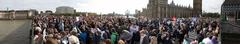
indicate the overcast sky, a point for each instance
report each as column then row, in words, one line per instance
column 99, row 6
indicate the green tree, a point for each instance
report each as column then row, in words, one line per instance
column 213, row 15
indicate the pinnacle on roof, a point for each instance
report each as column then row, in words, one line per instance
column 172, row 3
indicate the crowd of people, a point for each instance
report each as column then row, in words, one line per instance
column 120, row 30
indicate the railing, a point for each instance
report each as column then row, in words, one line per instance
column 31, row 34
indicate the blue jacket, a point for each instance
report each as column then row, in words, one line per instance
column 83, row 37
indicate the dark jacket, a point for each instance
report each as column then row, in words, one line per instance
column 167, row 41
column 146, row 40
column 136, row 36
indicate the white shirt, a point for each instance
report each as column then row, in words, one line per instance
column 133, row 28
column 207, row 41
column 73, row 39
column 94, row 30
column 44, row 35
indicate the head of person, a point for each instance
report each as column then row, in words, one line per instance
column 143, row 32
column 38, row 29
column 63, row 33
column 67, row 30
column 186, row 36
column 57, row 35
column 73, row 33
column 83, row 27
column 50, row 31
column 49, row 36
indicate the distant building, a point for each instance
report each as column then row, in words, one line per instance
column 17, row 14
column 161, row 9
column 137, row 13
column 47, row 12
column 197, row 7
column 231, row 9
column 65, row 9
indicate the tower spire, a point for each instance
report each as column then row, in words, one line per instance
column 172, row 3
column 189, row 6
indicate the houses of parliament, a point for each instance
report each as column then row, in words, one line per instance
column 161, row 9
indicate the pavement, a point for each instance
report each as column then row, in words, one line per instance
column 230, row 28
column 230, row 33
column 15, row 32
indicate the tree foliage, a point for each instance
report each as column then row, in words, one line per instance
column 66, row 14
column 213, row 15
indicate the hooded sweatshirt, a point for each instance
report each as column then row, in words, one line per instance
column 114, row 37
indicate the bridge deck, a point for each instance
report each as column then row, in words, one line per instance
column 14, row 32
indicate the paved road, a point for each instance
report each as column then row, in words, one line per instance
column 230, row 28
column 230, row 33
column 14, row 32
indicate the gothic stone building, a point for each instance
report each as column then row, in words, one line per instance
column 231, row 8
column 161, row 9
column 197, row 7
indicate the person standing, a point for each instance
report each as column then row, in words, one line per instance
column 144, row 39
column 127, row 36
column 73, row 39
column 83, row 36
column 114, row 37
column 64, row 39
